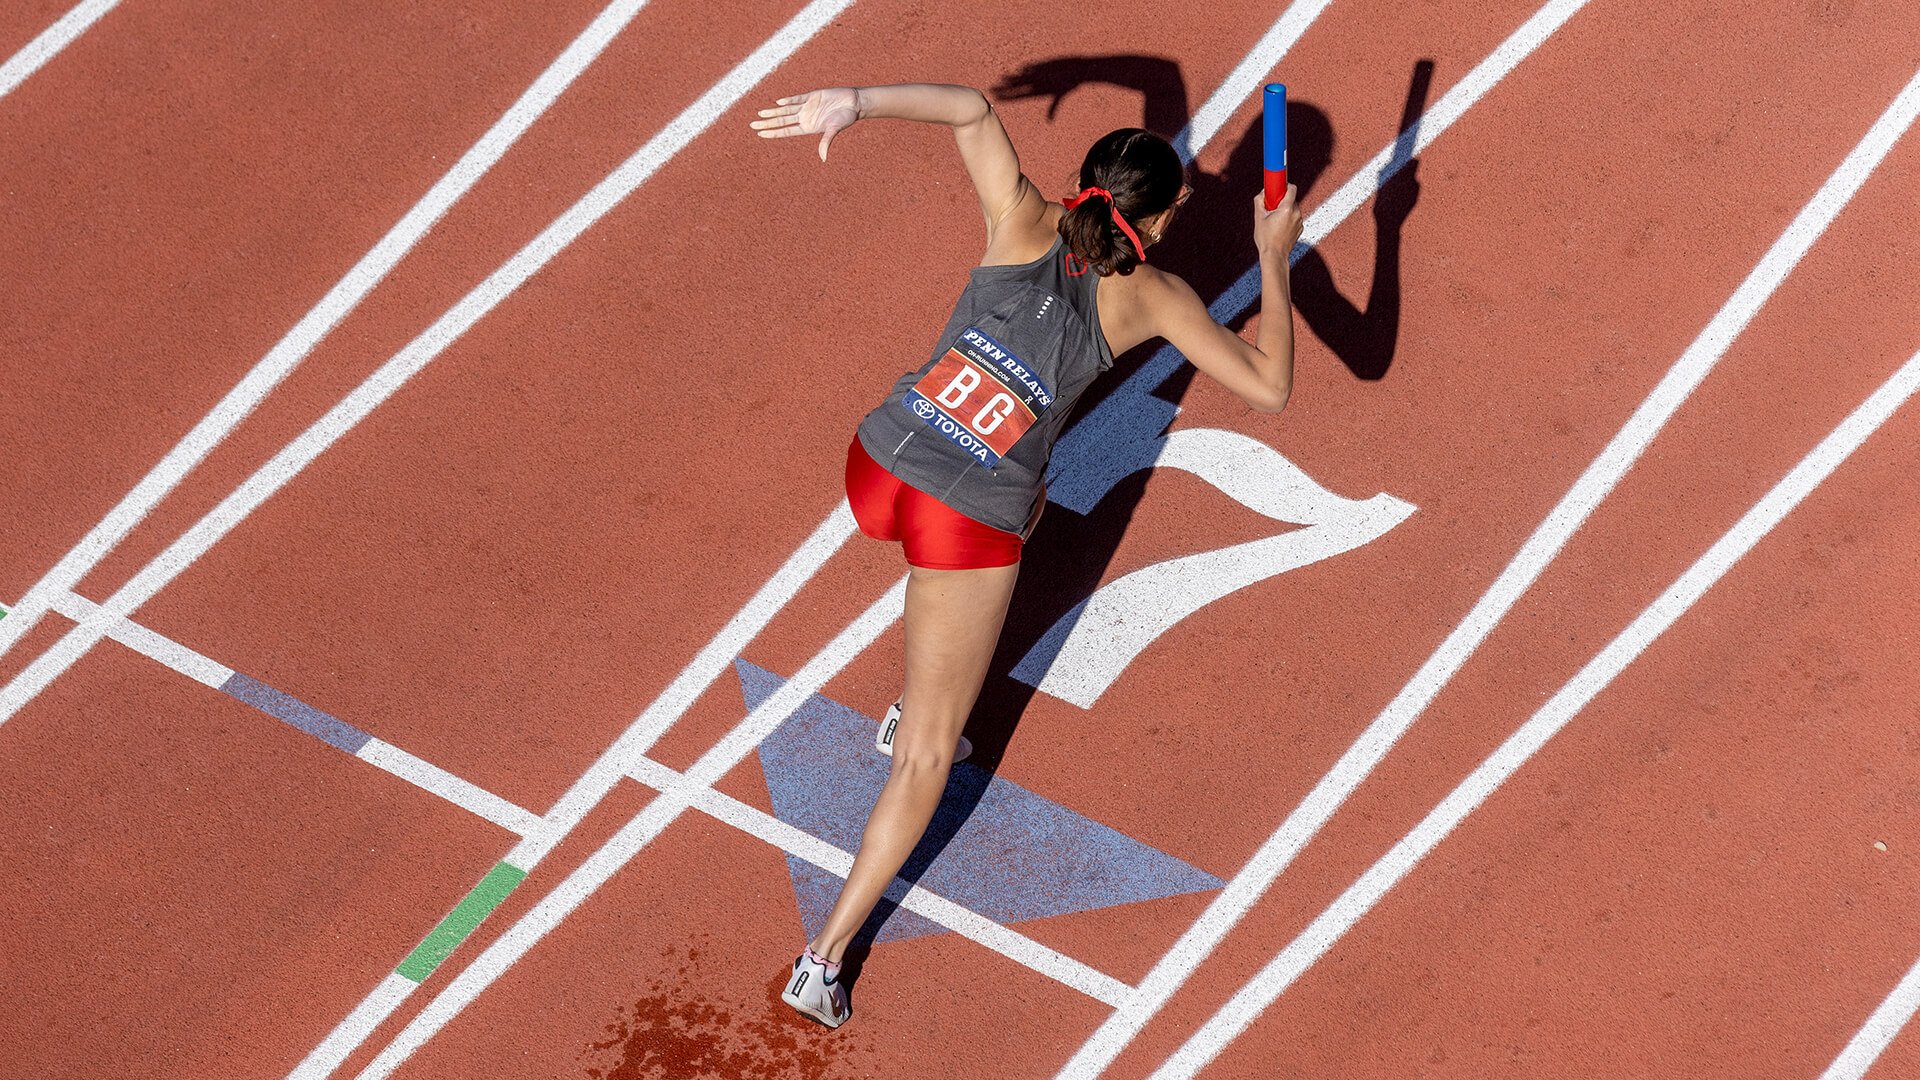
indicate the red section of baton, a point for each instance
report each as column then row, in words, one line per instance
column 935, row 535
column 1276, row 187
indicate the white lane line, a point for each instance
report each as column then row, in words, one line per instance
column 1124, row 432
column 638, row 832
column 147, row 643
column 372, row 1011
column 693, row 680
column 380, row 754
column 464, row 794
column 382, row 384
column 51, row 40
column 1087, row 476
column 605, row 772
column 1756, row 523
column 1878, row 1032
column 315, row 325
column 661, row 715
column 967, row 923
column 1247, row 76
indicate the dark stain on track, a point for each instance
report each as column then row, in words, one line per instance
column 677, row 1033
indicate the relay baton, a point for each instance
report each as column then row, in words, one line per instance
column 1275, row 140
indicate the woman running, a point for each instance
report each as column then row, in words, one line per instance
column 951, row 463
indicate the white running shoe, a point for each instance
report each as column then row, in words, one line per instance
column 883, row 738
column 813, row 994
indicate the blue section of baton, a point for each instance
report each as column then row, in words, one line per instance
column 326, row 728
column 1274, row 132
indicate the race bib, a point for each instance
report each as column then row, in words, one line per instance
column 980, row 396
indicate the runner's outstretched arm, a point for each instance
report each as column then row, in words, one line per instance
column 1261, row 373
column 985, row 149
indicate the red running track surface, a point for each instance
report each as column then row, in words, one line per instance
column 508, row 560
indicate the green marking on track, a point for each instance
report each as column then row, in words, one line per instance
column 460, row 921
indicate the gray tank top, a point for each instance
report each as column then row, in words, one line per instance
column 974, row 426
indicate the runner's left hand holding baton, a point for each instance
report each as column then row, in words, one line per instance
column 825, row 113
column 1275, row 231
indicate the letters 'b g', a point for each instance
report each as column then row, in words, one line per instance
column 957, row 390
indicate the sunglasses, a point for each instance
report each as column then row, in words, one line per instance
column 1186, row 192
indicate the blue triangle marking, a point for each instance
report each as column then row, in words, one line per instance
column 994, row 847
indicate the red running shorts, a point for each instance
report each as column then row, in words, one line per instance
column 935, row 535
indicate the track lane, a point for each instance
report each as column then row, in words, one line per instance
column 293, row 347
column 1687, row 890
column 1326, row 868
column 622, row 99
column 567, row 485
column 1820, row 345
column 192, row 880
column 185, row 201
column 1202, row 507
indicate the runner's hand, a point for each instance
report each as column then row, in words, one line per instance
column 825, row 113
column 1278, row 229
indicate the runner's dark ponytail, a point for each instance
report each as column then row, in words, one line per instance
column 1140, row 175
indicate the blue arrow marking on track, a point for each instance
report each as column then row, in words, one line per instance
column 994, row 846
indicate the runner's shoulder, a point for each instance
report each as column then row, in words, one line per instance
column 1154, row 291
column 1145, row 304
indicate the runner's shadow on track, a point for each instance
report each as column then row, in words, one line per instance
column 965, row 789
column 1210, row 244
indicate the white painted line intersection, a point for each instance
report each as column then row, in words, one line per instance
column 832, row 532
column 677, row 797
column 1014, row 946
column 383, row 383
column 1527, row 37
column 679, row 696
column 660, row 716
column 600, row 778
column 1548, row 538
column 538, row 844
column 1263, row 989
column 380, row 754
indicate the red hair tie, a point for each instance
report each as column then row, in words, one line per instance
column 1117, row 219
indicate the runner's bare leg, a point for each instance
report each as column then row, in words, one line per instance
column 953, row 622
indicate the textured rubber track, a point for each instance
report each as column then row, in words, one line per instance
column 510, row 558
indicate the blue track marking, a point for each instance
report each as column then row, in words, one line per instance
column 326, row 728
column 993, row 847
